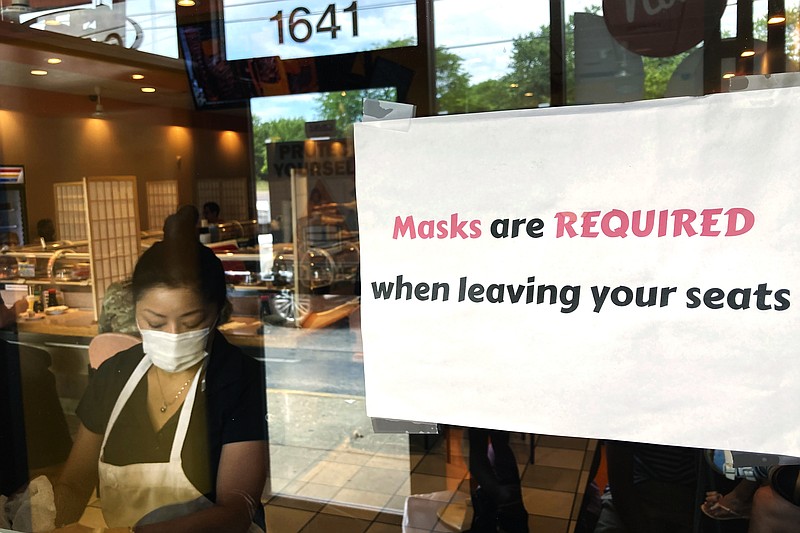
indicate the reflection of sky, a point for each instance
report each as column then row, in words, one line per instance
column 157, row 19
column 293, row 106
column 249, row 31
column 480, row 36
column 480, row 33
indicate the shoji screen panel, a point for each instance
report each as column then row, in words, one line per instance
column 114, row 239
column 71, row 224
column 231, row 194
column 162, row 201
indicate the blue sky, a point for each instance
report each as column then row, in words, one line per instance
column 480, row 35
column 478, row 31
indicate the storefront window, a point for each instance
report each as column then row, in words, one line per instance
column 487, row 60
column 145, row 25
column 303, row 147
column 246, row 110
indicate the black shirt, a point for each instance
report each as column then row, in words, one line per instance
column 232, row 408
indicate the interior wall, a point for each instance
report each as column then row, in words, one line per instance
column 56, row 139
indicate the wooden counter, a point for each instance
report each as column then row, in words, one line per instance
column 242, row 331
column 72, row 323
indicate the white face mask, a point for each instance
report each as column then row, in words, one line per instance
column 174, row 352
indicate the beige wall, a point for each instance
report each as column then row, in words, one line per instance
column 55, row 138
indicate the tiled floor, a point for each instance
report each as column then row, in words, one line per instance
column 331, row 473
column 323, row 481
column 347, row 490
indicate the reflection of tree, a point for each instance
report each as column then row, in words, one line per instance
column 657, row 73
column 452, row 82
column 282, row 129
column 792, row 35
column 345, row 107
column 526, row 83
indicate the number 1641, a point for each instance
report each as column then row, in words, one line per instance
column 301, row 29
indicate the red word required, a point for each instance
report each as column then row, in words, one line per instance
column 676, row 223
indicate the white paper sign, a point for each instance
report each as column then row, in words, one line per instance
column 628, row 271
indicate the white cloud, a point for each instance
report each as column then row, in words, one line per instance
column 276, row 107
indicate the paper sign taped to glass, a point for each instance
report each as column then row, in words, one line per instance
column 625, row 271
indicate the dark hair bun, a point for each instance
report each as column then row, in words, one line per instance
column 182, row 225
column 180, row 260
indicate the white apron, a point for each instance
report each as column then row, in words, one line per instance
column 127, row 493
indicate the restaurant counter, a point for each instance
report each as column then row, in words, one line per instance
column 242, row 331
column 80, row 325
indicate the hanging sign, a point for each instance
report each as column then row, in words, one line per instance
column 658, row 28
column 626, row 271
column 319, row 158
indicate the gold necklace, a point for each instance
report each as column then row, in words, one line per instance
column 165, row 404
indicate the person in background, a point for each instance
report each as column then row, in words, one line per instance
column 495, row 487
column 211, row 212
column 776, row 505
column 653, row 488
column 9, row 238
column 173, row 430
column 8, row 315
column 45, row 229
column 34, row 436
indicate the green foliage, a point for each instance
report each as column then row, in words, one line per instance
column 452, row 82
column 530, row 63
column 525, row 85
column 657, row 73
column 345, row 107
column 282, row 129
column 792, row 29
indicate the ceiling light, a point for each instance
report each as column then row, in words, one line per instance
column 186, row 3
column 137, row 76
column 748, row 53
column 728, row 75
column 99, row 110
column 776, row 19
column 528, row 94
column 344, row 93
column 513, row 85
column 148, row 89
column 54, row 60
column 52, row 22
column 39, row 72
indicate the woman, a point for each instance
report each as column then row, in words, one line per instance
column 174, row 429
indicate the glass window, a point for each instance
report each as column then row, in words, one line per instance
column 273, row 179
column 145, row 25
column 487, row 60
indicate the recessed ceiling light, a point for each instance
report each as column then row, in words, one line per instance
column 186, row 3
column 52, row 22
column 54, row 60
column 137, row 76
column 513, row 85
column 528, row 94
column 148, row 89
column 728, row 75
column 748, row 53
column 39, row 72
column 776, row 19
